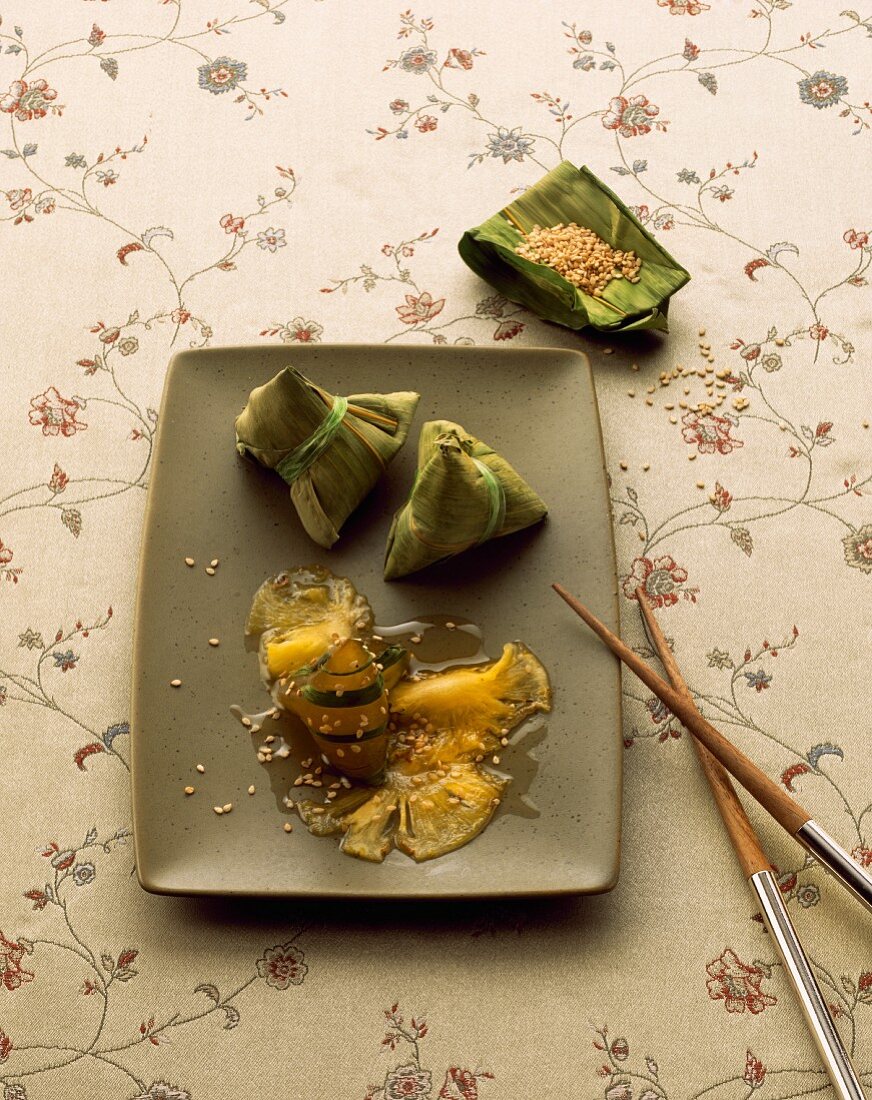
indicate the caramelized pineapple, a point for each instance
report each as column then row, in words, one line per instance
column 297, row 614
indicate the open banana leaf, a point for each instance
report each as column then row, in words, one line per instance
column 570, row 194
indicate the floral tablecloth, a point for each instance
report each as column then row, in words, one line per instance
column 184, row 173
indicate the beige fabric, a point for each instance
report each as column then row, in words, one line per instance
column 98, row 994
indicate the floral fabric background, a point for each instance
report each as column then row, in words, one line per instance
column 183, row 173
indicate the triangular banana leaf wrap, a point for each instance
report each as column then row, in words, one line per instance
column 464, row 494
column 570, row 194
column 330, row 450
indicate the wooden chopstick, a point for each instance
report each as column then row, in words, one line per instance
column 749, row 851
column 786, row 810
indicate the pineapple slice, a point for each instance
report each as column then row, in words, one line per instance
column 424, row 820
column 483, row 698
column 297, row 613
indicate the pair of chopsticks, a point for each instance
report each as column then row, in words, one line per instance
column 718, row 757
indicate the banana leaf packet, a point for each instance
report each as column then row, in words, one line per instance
column 570, row 194
column 330, row 450
column 464, row 494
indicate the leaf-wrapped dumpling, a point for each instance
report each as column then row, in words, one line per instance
column 330, row 450
column 464, row 494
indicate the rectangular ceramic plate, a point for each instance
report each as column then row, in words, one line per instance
column 538, row 408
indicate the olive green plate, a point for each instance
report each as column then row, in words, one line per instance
column 535, row 406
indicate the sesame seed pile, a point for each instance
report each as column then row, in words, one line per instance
column 580, row 256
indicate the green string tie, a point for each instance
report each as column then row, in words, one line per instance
column 295, row 464
column 496, row 500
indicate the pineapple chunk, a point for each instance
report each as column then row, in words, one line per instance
column 485, row 698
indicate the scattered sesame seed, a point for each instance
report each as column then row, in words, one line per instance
column 251, row 789
column 451, row 626
column 631, row 393
column 210, row 570
column 670, row 406
column 218, row 810
column 246, row 721
column 189, row 562
column 779, row 343
column 673, row 419
column 691, row 457
column 702, row 332
column 200, row 769
column 623, row 465
column 318, row 810
column 214, row 641
column 634, row 366
column 354, row 748
column 608, row 351
column 214, row 563
column 189, row 790
column 227, row 807
column 261, row 758
column 648, row 401
column 496, row 760
column 700, row 485
column 269, row 740
column 650, row 389
column 288, row 827
column 646, row 466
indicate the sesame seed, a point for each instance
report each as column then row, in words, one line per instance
column 634, row 366
column 623, row 465
column 865, row 424
column 673, row 419
column 214, row 641
column 631, row 393
column 261, row 759
column 189, row 790
column 218, row 810
column 269, row 740
column 650, row 389
column 496, row 760
column 246, row 721
column 648, row 401
column 318, row 810
column 608, row 351
column 779, row 343
column 214, row 563
column 670, row 406
column 251, row 789
column 354, row 748
column 189, row 562
column 288, row 827
column 692, row 457
column 175, row 683
column 646, row 466
column 200, row 769
column 227, row 807
column 210, row 570
column 449, row 626
column 702, row 332
column 700, row 485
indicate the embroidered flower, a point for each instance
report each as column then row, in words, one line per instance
column 508, row 329
column 28, row 101
column 771, row 362
column 621, row 1091
column 710, row 433
column 722, row 193
column 642, row 213
column 460, row 1084
column 419, row 310
column 66, row 660
column 630, row 117
column 683, row 7
column 398, row 106
column 408, row 1083
column 180, row 316
column 55, row 414
column 426, row 123
column 755, row 1071
column 758, row 680
column 737, row 984
column 417, row 60
column 12, row 974
column 510, row 144
column 84, row 874
column 822, row 89
column 858, row 548
column 160, row 1090
column 459, row 59
column 493, row 306
column 128, row 346
column 5, row 1046
column 107, row 177
column 808, row 895
column 863, row 856
column 299, row 331
column 46, row 205
column 231, row 224
column 109, row 335
column 282, row 966
column 657, row 709
column 854, row 239
column 19, row 197
column 818, row 332
column 664, row 222
column 6, row 554
column 4, row 695
column 271, row 239
column 660, row 578
column 221, row 75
